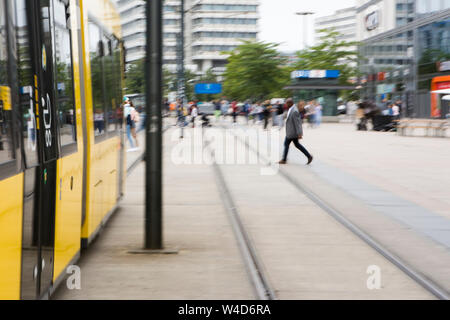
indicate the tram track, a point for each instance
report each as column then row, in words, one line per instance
column 255, row 269
column 410, row 271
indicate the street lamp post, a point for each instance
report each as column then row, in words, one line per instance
column 153, row 151
column 305, row 26
column 181, row 85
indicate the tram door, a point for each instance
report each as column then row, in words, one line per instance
column 40, row 139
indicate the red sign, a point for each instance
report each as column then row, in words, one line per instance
column 443, row 85
column 381, row 76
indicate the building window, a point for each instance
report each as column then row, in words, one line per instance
column 225, row 7
column 219, row 48
column 220, row 34
column 170, row 22
column 224, row 21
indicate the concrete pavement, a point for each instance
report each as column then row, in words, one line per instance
column 208, row 265
column 307, row 254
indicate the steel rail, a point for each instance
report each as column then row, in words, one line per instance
column 418, row 277
column 259, row 280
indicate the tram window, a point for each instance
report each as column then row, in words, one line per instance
column 96, row 53
column 118, row 80
column 6, row 146
column 64, row 74
column 29, row 133
column 109, row 83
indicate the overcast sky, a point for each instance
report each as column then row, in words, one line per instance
column 279, row 23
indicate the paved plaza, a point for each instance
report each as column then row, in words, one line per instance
column 392, row 187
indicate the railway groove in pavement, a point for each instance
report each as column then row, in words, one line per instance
column 257, row 274
column 426, row 283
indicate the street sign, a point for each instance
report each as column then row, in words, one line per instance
column 208, row 88
column 315, row 74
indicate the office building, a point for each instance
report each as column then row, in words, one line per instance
column 212, row 27
column 217, row 26
column 343, row 21
column 406, row 61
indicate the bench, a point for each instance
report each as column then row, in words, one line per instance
column 432, row 127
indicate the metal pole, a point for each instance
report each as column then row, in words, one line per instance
column 305, row 33
column 153, row 152
column 180, row 64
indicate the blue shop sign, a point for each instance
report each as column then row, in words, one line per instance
column 315, row 74
column 208, row 88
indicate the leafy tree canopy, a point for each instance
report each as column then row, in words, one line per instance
column 135, row 77
column 330, row 54
column 254, row 71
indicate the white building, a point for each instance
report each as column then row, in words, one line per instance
column 211, row 27
column 171, row 33
column 343, row 21
column 132, row 14
column 378, row 16
column 215, row 26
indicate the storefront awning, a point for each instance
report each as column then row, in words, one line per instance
column 319, row 87
column 442, row 91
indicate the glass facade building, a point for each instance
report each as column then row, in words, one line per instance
column 410, row 63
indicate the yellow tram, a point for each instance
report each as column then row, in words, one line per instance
column 61, row 147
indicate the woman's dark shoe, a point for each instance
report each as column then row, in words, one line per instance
column 310, row 159
column 282, row 162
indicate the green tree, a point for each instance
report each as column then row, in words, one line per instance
column 169, row 82
column 254, row 71
column 189, row 80
column 135, row 77
column 330, row 54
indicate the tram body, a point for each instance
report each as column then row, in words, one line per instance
column 61, row 146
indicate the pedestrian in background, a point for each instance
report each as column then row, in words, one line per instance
column 280, row 114
column 361, row 118
column 129, row 114
column 217, row 112
column 234, row 111
column 246, row 109
column 224, row 107
column 266, row 113
column 318, row 114
column 309, row 112
column 399, row 104
column 294, row 130
column 259, row 112
column 194, row 114
column 135, row 119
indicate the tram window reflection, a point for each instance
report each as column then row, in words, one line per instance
column 64, row 74
column 6, row 146
column 118, row 81
column 96, row 51
column 26, row 92
column 109, row 83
